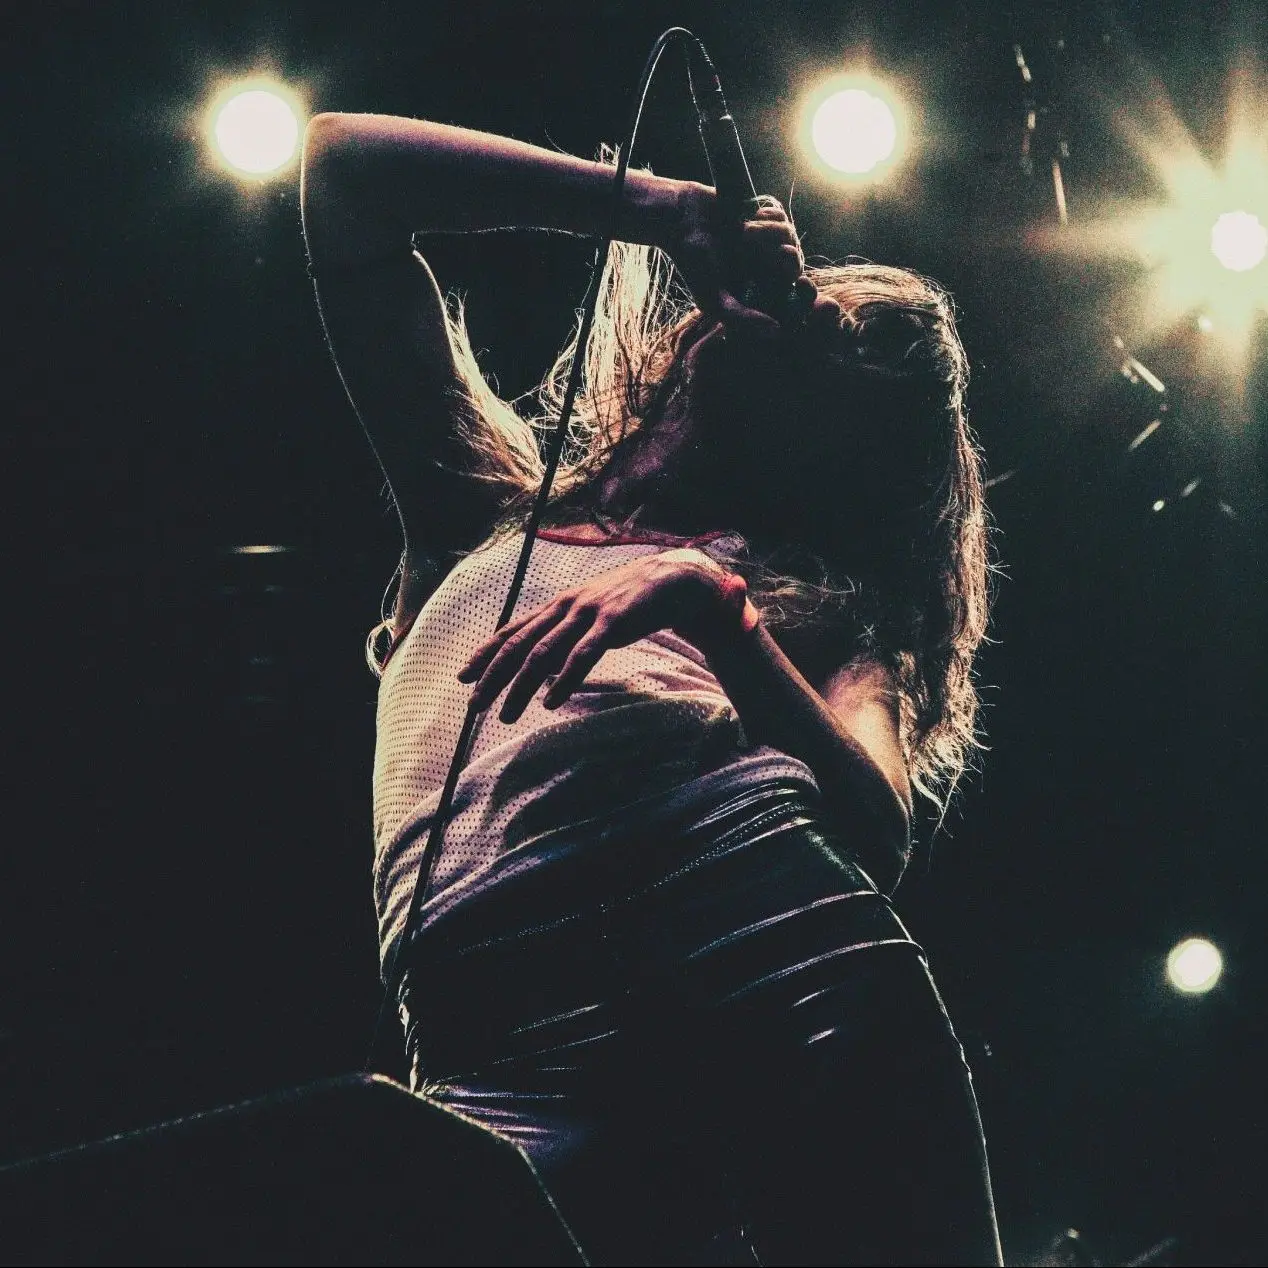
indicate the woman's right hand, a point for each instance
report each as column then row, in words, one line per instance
column 721, row 262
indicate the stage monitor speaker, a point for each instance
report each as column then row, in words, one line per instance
column 354, row 1170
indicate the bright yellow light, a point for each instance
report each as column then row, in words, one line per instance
column 1238, row 240
column 854, row 128
column 254, row 127
column 1194, row 966
column 853, row 131
column 1204, row 242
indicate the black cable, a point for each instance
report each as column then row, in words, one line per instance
column 444, row 809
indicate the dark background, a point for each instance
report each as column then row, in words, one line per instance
column 184, row 900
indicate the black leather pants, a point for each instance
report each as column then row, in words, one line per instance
column 719, row 1046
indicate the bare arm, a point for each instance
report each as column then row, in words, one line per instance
column 846, row 732
column 391, row 177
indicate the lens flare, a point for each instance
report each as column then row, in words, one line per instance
column 254, row 128
column 1194, row 966
column 1201, row 243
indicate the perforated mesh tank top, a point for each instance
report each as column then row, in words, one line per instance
column 649, row 719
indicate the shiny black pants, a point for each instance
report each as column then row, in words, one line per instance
column 717, row 1046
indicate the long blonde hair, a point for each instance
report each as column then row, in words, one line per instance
column 924, row 618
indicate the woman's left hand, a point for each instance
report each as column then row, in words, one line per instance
column 682, row 590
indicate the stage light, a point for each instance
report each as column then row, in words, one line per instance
column 853, row 131
column 1194, row 966
column 1203, row 243
column 854, row 128
column 1239, row 240
column 254, row 127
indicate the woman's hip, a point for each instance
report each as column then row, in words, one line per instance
column 735, row 1033
column 754, row 907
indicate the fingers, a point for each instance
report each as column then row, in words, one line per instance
column 566, row 638
column 769, row 257
column 788, row 264
column 524, row 656
column 581, row 660
column 823, row 314
column 772, row 252
column 509, row 653
column 773, row 211
column 807, row 291
column 546, row 657
column 772, row 232
column 480, row 658
column 745, row 321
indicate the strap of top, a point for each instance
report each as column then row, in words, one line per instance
column 594, row 535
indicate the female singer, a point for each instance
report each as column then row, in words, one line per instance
column 658, row 951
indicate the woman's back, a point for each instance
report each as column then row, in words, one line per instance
column 649, row 718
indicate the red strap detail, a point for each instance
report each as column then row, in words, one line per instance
column 570, row 537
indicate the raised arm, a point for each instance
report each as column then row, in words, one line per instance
column 369, row 183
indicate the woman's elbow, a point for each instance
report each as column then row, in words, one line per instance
column 326, row 136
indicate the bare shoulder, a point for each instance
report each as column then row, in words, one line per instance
column 865, row 698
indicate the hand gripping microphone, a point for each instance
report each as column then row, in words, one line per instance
column 737, row 195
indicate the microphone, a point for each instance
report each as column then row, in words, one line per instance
column 737, row 195
column 722, row 149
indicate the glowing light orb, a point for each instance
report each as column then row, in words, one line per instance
column 255, row 128
column 1194, row 966
column 854, row 128
column 1200, row 241
column 854, row 131
column 1239, row 241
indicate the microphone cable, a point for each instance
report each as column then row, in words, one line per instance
column 444, row 810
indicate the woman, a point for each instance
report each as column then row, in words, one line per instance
column 657, row 951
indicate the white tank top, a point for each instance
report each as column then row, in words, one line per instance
column 648, row 718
